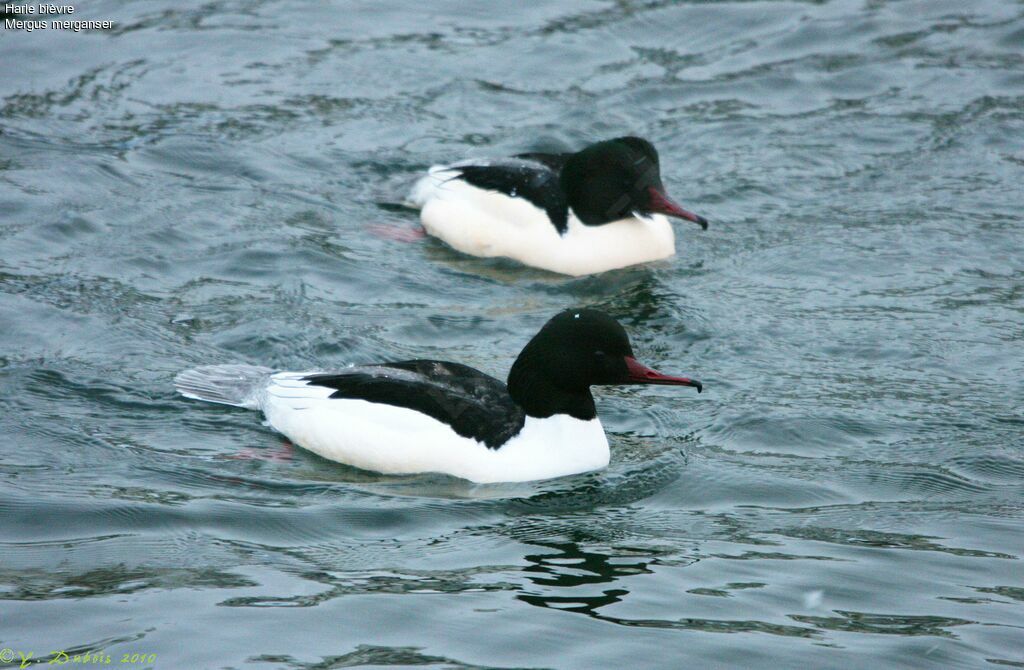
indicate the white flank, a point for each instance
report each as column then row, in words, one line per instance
column 395, row 440
column 487, row 223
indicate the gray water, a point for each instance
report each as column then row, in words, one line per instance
column 208, row 183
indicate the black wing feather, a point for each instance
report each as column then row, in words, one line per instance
column 475, row 405
column 532, row 178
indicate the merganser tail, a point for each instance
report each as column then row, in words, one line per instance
column 237, row 385
column 426, row 187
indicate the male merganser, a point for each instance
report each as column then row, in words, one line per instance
column 434, row 416
column 576, row 214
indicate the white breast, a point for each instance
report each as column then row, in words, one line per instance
column 487, row 223
column 395, row 440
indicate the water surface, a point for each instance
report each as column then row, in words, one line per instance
column 206, row 183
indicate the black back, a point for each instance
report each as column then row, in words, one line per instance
column 528, row 177
column 475, row 405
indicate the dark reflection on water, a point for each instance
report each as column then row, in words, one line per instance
column 886, row 624
column 568, row 567
column 210, row 183
column 117, row 579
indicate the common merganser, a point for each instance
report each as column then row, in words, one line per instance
column 433, row 416
column 576, row 214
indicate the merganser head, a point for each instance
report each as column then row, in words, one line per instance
column 617, row 179
column 575, row 350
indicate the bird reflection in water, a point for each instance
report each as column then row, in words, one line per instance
column 569, row 566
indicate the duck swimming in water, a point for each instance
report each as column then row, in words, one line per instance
column 598, row 209
column 434, row 416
